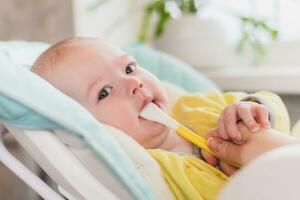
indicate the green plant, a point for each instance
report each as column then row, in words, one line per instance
column 160, row 8
column 252, row 31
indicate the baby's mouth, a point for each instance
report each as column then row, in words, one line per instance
column 150, row 100
column 157, row 102
column 147, row 101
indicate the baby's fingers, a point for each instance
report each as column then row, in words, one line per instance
column 247, row 116
column 230, row 121
column 221, row 128
column 263, row 116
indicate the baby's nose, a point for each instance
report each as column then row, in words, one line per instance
column 134, row 85
column 140, row 86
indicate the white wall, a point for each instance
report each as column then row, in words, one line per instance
column 115, row 20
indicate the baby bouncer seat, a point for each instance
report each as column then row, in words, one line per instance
column 90, row 160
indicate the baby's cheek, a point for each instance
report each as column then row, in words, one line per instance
column 120, row 116
column 125, row 117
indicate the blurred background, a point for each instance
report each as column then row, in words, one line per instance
column 245, row 45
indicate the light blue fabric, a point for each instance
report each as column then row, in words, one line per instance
column 23, row 53
column 26, row 101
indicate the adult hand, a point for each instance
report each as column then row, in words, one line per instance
column 214, row 161
column 255, row 144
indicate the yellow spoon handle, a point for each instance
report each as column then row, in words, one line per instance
column 197, row 140
column 194, row 138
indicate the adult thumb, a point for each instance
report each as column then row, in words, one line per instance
column 225, row 150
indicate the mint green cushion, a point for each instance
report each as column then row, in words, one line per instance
column 21, row 52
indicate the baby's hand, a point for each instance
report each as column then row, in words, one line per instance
column 254, row 116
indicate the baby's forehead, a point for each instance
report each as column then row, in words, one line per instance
column 76, row 45
column 87, row 56
column 97, row 48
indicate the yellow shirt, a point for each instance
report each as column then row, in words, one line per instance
column 190, row 177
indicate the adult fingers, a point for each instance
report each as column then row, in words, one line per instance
column 210, row 159
column 227, row 169
column 225, row 150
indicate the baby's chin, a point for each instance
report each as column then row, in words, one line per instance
column 150, row 125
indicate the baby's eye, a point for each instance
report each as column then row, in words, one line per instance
column 130, row 68
column 104, row 93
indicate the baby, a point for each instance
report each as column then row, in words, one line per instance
column 114, row 88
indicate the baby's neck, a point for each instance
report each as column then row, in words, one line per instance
column 175, row 143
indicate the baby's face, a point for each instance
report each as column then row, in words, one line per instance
column 113, row 87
